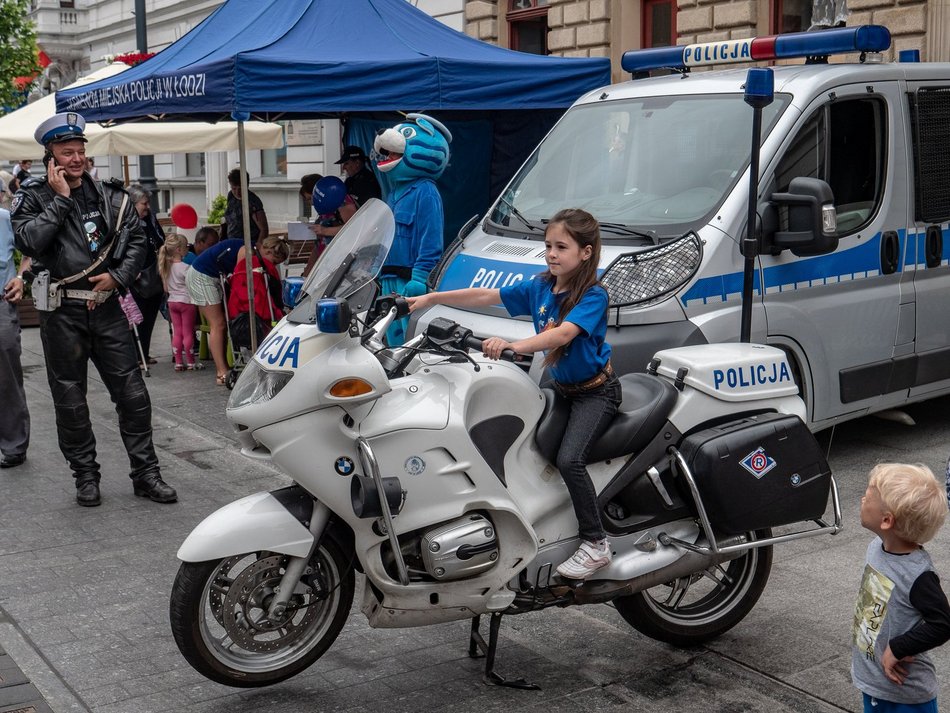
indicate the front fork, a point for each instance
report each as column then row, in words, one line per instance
column 296, row 566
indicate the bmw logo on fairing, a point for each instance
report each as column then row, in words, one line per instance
column 343, row 465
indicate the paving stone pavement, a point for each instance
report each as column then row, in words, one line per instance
column 84, row 593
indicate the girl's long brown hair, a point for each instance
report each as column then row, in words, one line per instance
column 585, row 230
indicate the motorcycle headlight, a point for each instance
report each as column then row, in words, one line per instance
column 650, row 276
column 257, row 385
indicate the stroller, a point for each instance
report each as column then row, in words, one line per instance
column 267, row 297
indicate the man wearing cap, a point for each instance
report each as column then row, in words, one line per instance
column 361, row 183
column 67, row 222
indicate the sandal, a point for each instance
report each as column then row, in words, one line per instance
column 190, row 367
column 220, row 379
column 179, row 367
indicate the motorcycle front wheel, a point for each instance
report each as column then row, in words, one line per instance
column 691, row 610
column 218, row 612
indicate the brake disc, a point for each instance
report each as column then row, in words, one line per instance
column 244, row 609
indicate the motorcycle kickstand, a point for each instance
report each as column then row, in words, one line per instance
column 476, row 643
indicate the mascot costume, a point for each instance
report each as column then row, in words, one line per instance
column 413, row 155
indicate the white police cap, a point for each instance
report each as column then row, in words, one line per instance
column 68, row 126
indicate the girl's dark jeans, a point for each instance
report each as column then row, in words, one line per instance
column 591, row 413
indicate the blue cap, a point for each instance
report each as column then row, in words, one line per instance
column 68, row 126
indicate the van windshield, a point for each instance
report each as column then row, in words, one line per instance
column 659, row 165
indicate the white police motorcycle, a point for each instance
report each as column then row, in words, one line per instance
column 428, row 470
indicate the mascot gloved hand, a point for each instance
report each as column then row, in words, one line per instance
column 417, row 285
column 412, row 154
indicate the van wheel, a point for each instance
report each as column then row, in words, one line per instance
column 694, row 609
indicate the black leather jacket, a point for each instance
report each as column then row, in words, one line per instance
column 48, row 228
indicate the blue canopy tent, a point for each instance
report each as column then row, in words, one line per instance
column 276, row 59
column 356, row 59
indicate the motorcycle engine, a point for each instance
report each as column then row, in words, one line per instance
column 461, row 548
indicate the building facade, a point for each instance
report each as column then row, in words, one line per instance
column 83, row 35
column 608, row 28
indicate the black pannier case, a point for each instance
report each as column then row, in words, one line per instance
column 760, row 471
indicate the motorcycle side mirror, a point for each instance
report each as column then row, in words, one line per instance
column 384, row 303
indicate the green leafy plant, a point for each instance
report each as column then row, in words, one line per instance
column 218, row 206
column 18, row 60
column 17, row 258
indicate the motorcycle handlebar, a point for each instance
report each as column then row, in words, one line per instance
column 474, row 343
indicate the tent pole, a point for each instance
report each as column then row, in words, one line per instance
column 246, row 220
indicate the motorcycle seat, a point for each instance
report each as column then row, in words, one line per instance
column 647, row 401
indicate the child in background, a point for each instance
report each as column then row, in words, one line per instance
column 268, row 300
column 569, row 309
column 181, row 308
column 901, row 612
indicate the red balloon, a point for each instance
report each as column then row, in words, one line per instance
column 184, row 216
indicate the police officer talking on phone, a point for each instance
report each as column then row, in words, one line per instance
column 87, row 244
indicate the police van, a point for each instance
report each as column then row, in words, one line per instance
column 853, row 203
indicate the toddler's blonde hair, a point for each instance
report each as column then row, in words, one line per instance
column 280, row 246
column 913, row 496
column 173, row 245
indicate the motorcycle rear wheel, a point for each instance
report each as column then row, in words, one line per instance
column 218, row 615
column 692, row 610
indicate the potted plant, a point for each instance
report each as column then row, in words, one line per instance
column 216, row 214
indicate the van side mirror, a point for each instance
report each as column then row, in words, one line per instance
column 812, row 221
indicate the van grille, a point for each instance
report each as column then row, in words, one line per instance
column 509, row 249
column 650, row 276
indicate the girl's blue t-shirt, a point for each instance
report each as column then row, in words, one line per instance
column 219, row 259
column 588, row 352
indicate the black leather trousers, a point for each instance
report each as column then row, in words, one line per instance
column 72, row 335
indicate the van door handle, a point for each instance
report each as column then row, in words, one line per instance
column 933, row 246
column 890, row 252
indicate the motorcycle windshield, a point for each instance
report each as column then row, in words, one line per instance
column 351, row 260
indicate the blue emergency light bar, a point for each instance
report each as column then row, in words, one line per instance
column 841, row 40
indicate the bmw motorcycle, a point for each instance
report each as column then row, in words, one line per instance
column 427, row 470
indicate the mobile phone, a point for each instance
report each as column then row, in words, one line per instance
column 47, row 157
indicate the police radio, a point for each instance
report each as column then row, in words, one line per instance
column 46, row 294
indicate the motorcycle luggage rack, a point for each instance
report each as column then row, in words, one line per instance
column 713, row 548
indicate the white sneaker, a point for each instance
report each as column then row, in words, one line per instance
column 590, row 557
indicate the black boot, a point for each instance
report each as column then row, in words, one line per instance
column 153, row 487
column 87, row 492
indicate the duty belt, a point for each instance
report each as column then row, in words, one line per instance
column 97, row 297
column 599, row 379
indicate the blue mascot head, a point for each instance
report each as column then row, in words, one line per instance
column 417, row 148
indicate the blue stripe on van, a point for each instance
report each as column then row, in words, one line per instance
column 473, row 271
column 470, row 271
column 857, row 263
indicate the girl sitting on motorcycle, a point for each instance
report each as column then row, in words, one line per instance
column 569, row 309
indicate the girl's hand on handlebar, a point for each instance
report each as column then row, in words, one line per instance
column 494, row 346
column 420, row 302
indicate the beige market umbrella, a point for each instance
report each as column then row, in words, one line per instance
column 132, row 139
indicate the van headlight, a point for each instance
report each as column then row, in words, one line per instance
column 257, row 385
column 650, row 276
